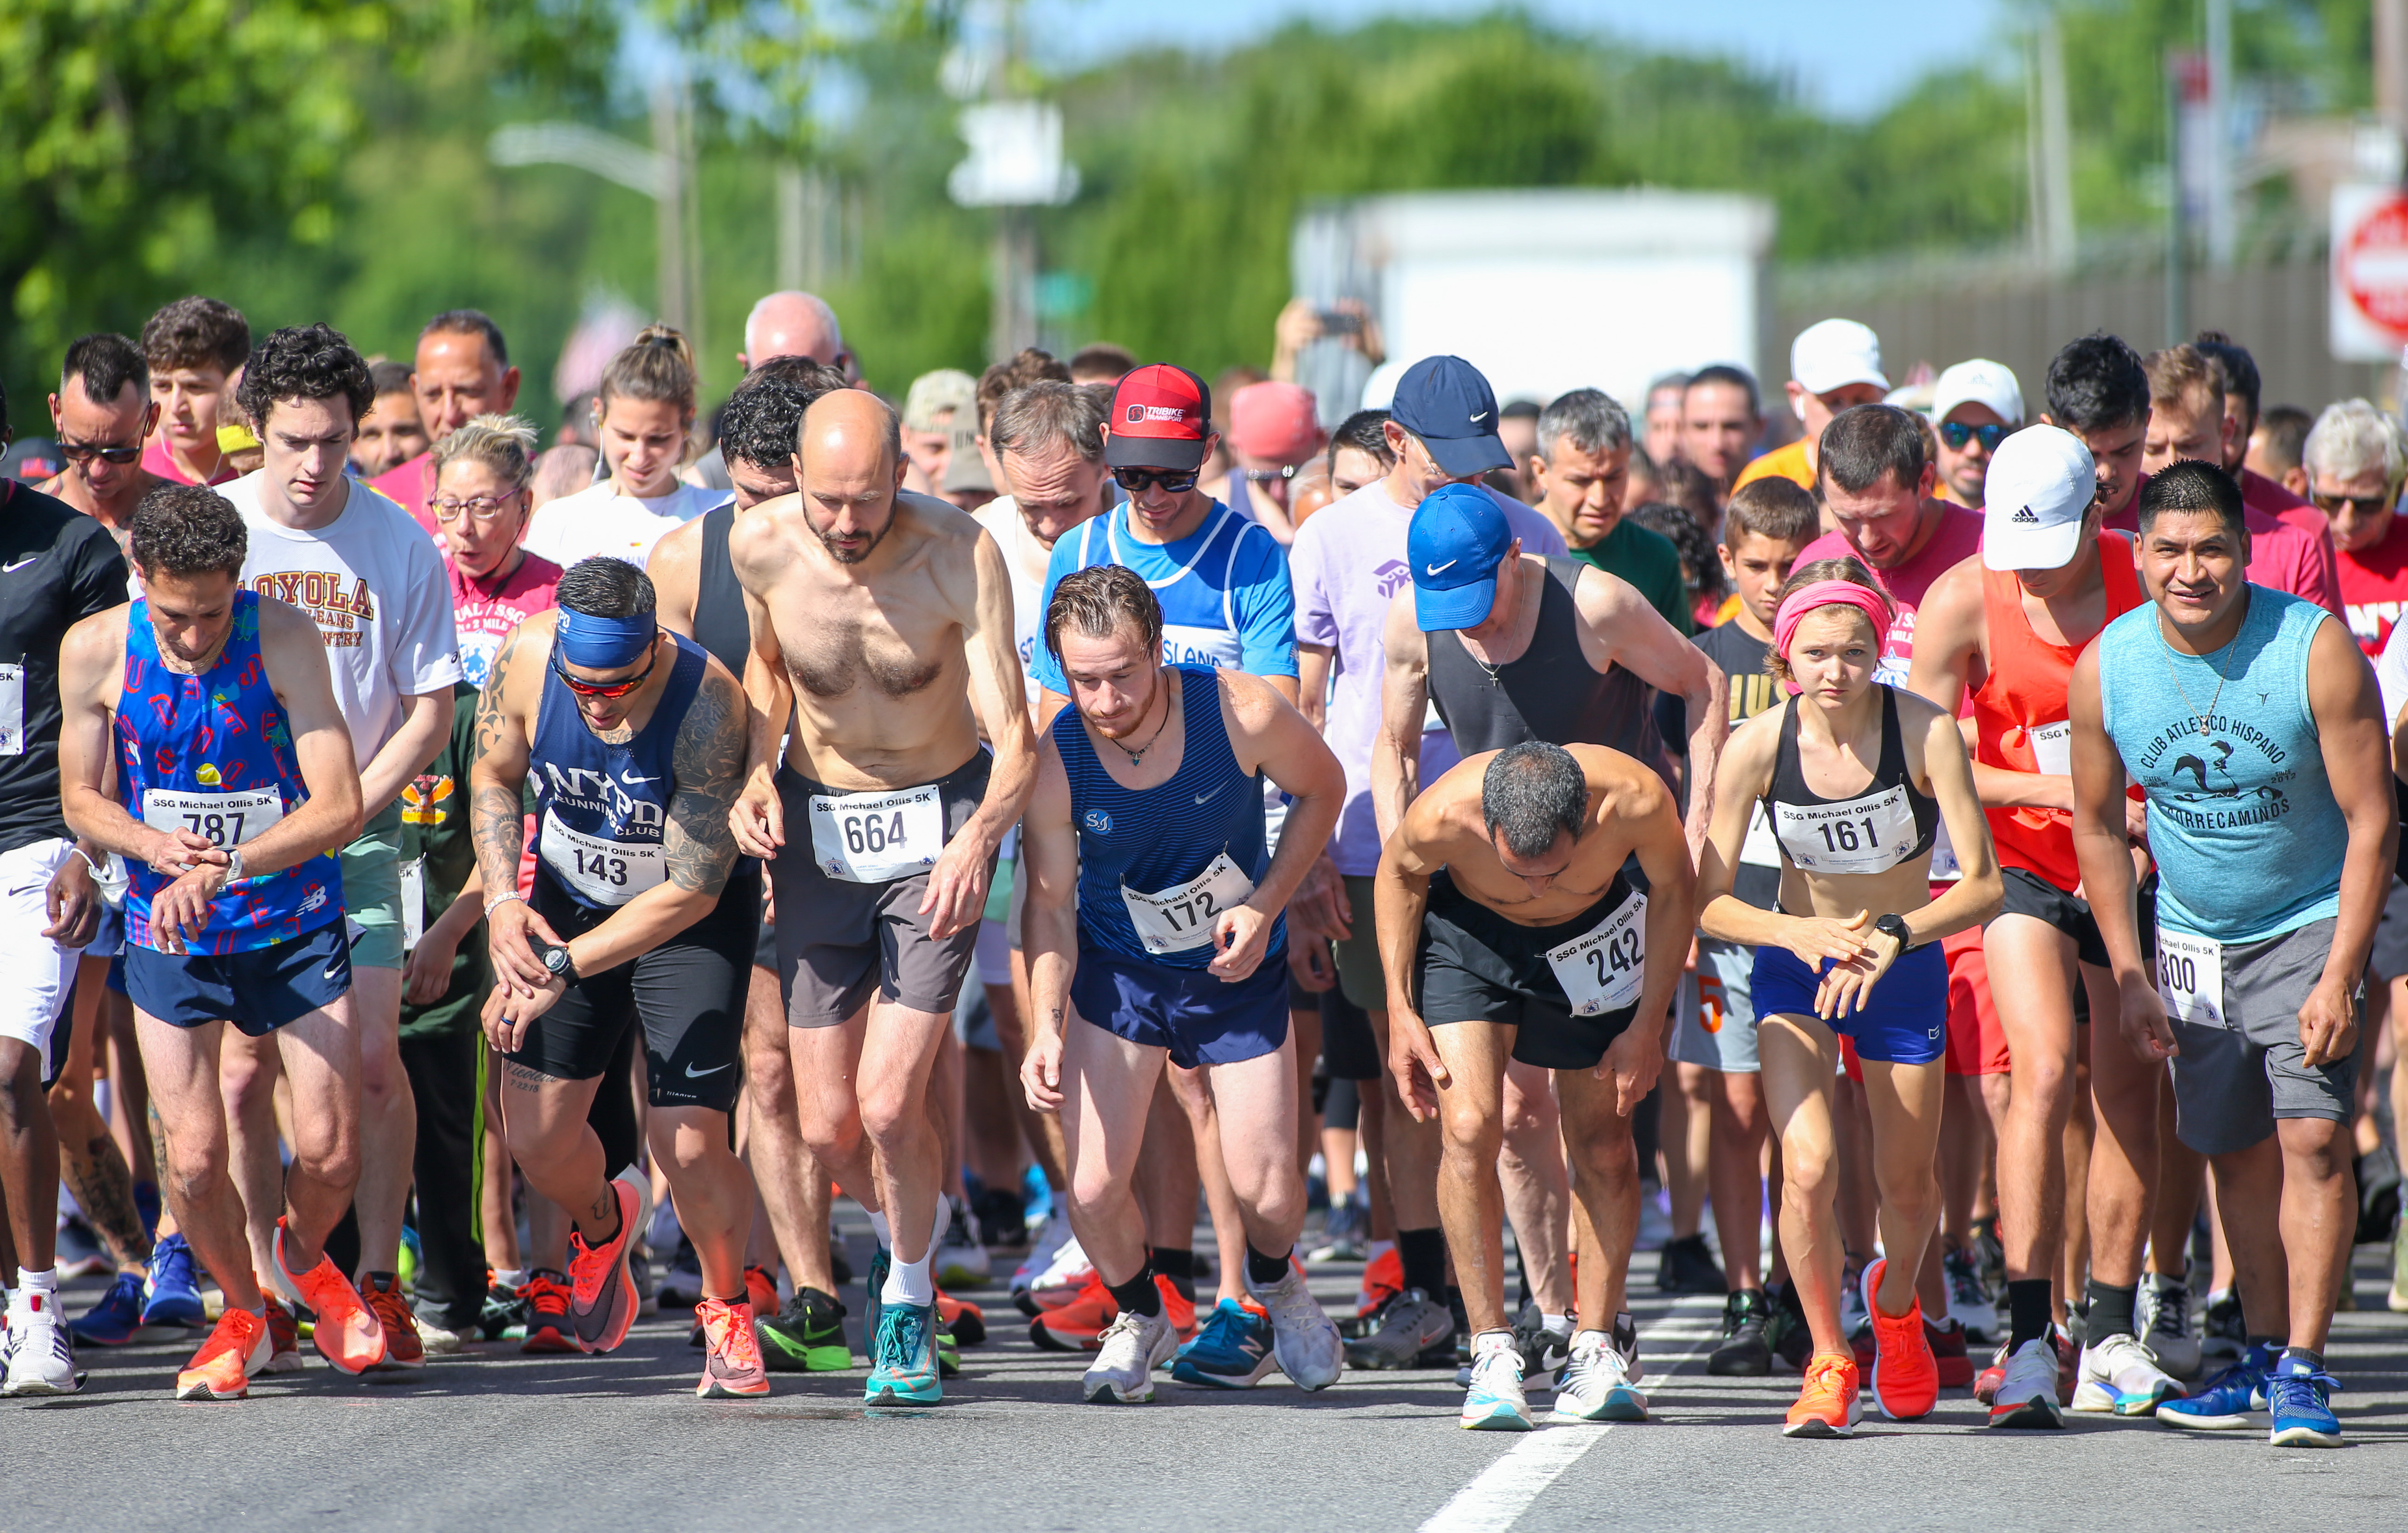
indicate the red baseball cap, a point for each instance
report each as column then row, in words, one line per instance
column 1275, row 421
column 1161, row 415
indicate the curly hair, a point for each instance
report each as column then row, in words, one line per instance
column 759, row 420
column 304, row 362
column 188, row 529
column 196, row 332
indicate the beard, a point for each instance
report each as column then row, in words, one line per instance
column 836, row 551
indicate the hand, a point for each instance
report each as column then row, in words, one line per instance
column 1848, row 985
column 2140, row 1013
column 507, row 1013
column 1815, row 937
column 2136, row 821
column 74, row 907
column 1309, row 965
column 1041, row 1071
column 957, row 884
column 1413, row 1062
column 179, row 911
column 516, row 969
column 175, row 852
column 2329, row 1022
column 757, row 820
column 426, row 971
column 1633, row 1062
column 1319, row 906
column 1298, row 324
column 1242, row 935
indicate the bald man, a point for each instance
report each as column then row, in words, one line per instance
column 783, row 325
column 882, row 625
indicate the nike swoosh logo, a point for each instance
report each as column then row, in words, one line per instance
column 642, row 782
column 1215, row 793
column 692, row 1074
column 1482, row 416
column 1440, row 569
column 11, row 569
column 329, row 974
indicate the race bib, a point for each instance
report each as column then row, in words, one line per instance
column 877, row 838
column 12, row 710
column 2190, row 978
column 227, row 819
column 1944, row 866
column 1762, row 849
column 2052, row 748
column 1868, row 834
column 413, row 903
column 605, row 872
column 1602, row 971
column 1177, row 919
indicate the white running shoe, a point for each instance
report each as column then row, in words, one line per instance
column 2117, row 1374
column 1494, row 1402
column 1304, row 1339
column 1595, row 1384
column 40, row 1354
column 1131, row 1349
column 961, row 1261
column 2028, row 1396
column 2161, row 1319
column 1051, row 1238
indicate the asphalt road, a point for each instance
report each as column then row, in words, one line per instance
column 499, row 1439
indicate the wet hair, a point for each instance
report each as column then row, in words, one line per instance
column 505, row 444
column 1361, row 431
column 106, row 363
column 1739, row 378
column 470, row 321
column 2239, row 369
column 1868, row 441
column 759, row 422
column 2175, row 371
column 1847, row 568
column 389, row 377
column 1102, row 362
column 657, row 365
column 1773, row 507
column 1005, row 379
column 1594, row 421
column 1050, row 414
column 1704, row 572
column 1530, row 792
column 2284, row 429
column 605, row 587
column 304, row 362
column 2097, row 383
column 188, row 529
column 1100, row 601
column 196, row 333
column 2193, row 485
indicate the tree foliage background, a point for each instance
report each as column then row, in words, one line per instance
column 309, row 159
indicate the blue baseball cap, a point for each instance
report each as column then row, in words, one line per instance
column 1448, row 403
column 1459, row 537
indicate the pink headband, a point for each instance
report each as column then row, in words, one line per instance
column 1828, row 594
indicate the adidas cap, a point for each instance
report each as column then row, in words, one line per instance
column 2040, row 487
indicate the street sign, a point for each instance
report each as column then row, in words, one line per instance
column 2370, row 272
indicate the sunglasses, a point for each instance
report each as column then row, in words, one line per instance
column 84, row 452
column 2361, row 504
column 1957, row 434
column 1177, row 482
column 607, row 689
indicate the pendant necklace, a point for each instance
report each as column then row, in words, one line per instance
column 2165, row 657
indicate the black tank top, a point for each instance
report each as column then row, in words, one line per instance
column 1550, row 693
column 720, row 623
column 1864, row 833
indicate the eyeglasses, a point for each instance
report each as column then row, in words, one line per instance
column 607, row 689
column 1957, row 434
column 82, row 451
column 2361, row 504
column 483, row 507
column 1177, row 482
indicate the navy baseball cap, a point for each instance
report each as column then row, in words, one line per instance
column 1458, row 538
column 1448, row 403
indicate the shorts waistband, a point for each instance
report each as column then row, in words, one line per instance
column 1448, row 901
column 980, row 763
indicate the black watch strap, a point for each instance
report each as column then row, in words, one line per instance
column 1894, row 925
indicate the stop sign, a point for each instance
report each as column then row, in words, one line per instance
column 2370, row 272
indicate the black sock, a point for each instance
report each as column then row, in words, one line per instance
column 2315, row 1360
column 2111, row 1310
column 1265, row 1270
column 1179, row 1266
column 1138, row 1295
column 1423, row 1252
column 2027, row 1310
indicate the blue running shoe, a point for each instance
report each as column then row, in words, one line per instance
column 113, row 1321
column 2295, row 1392
column 1232, row 1351
column 2224, row 1402
column 880, row 1261
column 1494, row 1402
column 171, row 1295
column 904, row 1371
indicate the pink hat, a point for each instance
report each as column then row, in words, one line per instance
column 1274, row 420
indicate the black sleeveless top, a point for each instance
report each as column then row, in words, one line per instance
column 1548, row 692
column 1856, row 833
column 720, row 623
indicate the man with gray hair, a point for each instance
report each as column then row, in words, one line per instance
column 1578, row 471
column 2355, row 462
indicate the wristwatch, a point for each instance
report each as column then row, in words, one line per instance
column 555, row 960
column 233, row 867
column 1894, row 926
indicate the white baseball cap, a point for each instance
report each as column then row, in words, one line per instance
column 2040, row 486
column 1980, row 381
column 1835, row 353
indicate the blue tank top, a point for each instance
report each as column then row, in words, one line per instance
column 1160, row 838
column 2242, row 819
column 212, row 754
column 602, row 809
column 1200, row 615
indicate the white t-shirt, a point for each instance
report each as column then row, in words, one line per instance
column 1027, row 558
column 374, row 584
column 600, row 521
column 2391, row 675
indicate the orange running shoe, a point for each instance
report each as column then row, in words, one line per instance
column 1078, row 1326
column 1384, row 1279
column 731, row 1361
column 1906, row 1377
column 283, row 1338
column 1826, row 1407
column 546, row 1293
column 602, row 1298
column 967, row 1320
column 346, row 1331
column 221, row 1369
column 761, row 1290
column 402, row 1346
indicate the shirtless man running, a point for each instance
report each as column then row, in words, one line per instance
column 882, row 625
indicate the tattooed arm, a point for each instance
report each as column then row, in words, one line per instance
column 496, row 780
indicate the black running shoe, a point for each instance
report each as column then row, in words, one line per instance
column 1687, row 1267
column 804, row 1337
column 1746, row 1352
column 1785, row 1329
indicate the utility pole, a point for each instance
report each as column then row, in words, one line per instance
column 2048, row 146
column 2215, row 139
column 1015, row 165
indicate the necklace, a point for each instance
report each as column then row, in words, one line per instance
column 1136, row 757
column 2165, row 657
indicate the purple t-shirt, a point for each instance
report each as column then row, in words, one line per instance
column 1347, row 565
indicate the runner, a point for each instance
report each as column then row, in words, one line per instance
column 102, row 412
column 462, row 369
column 236, row 768
column 1975, row 406
column 1179, row 954
column 2007, row 628
column 195, row 347
column 644, row 414
column 1834, row 365
column 2264, row 914
column 899, row 614
column 1534, row 948
column 1856, row 778
column 1579, row 468
column 633, row 739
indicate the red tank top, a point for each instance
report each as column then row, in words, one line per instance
column 2019, row 710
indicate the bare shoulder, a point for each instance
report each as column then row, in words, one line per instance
column 1955, row 596
column 1600, row 592
column 680, row 548
column 283, row 625
column 1251, row 703
column 1626, row 787
column 96, row 645
column 757, row 543
column 1919, row 715
column 1447, row 811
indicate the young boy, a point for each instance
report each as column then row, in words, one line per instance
column 1767, row 523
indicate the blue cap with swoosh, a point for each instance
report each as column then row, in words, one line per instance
column 1447, row 403
column 1459, row 537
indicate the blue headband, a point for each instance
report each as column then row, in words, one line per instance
column 602, row 643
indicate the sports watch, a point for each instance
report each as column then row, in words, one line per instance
column 555, row 960
column 1894, row 925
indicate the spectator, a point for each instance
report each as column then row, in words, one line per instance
column 390, row 434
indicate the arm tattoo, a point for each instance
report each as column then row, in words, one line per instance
column 496, row 825
column 709, row 764
column 490, row 719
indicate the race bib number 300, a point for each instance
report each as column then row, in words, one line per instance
column 1602, row 970
column 605, row 872
column 876, row 838
column 1868, row 834
column 1182, row 918
column 2190, row 978
column 227, row 819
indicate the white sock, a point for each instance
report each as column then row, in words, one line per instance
column 44, row 1281
column 1603, row 1339
column 886, row 1236
column 511, row 1277
column 909, row 1283
column 1557, row 1324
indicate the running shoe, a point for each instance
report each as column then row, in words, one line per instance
column 1053, row 1237
column 965, row 1321
column 683, row 1282
column 1126, row 1354
column 1687, row 1267
column 2161, row 1319
column 1597, row 1383
column 602, row 1296
column 1060, row 1283
column 1745, row 1351
column 1791, row 1338
column 2227, row 1400
column 2069, row 1365
column 1001, row 1216
column 1384, row 1279
column 761, row 1290
column 283, row 1338
column 1307, row 1345
column 2117, row 1374
column 1078, row 1326
column 2296, row 1397
column 546, row 1297
column 807, row 1336
column 731, row 1366
column 1231, row 1350
column 1987, row 1382
column 117, row 1319
column 40, row 1354
column 960, row 1259
column 441, row 1340
column 882, row 1261
column 221, row 1369
column 2223, row 1330
column 1854, row 1322
column 1906, row 1376
column 1494, row 1402
column 77, row 1253
column 1412, row 1324
column 1343, row 1233
column 1826, row 1405
column 1968, row 1302
column 403, row 1346
column 1953, row 1359
column 2026, row 1393
column 505, row 1312
column 171, row 1298
column 1545, row 1352
column 903, row 1357
column 346, row 1331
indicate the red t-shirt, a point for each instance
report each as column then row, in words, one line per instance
column 2282, row 557
column 485, row 611
column 2260, row 494
column 410, row 486
column 2374, row 587
column 1958, row 539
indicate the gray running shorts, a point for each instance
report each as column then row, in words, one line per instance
column 1714, row 1024
column 2231, row 1083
